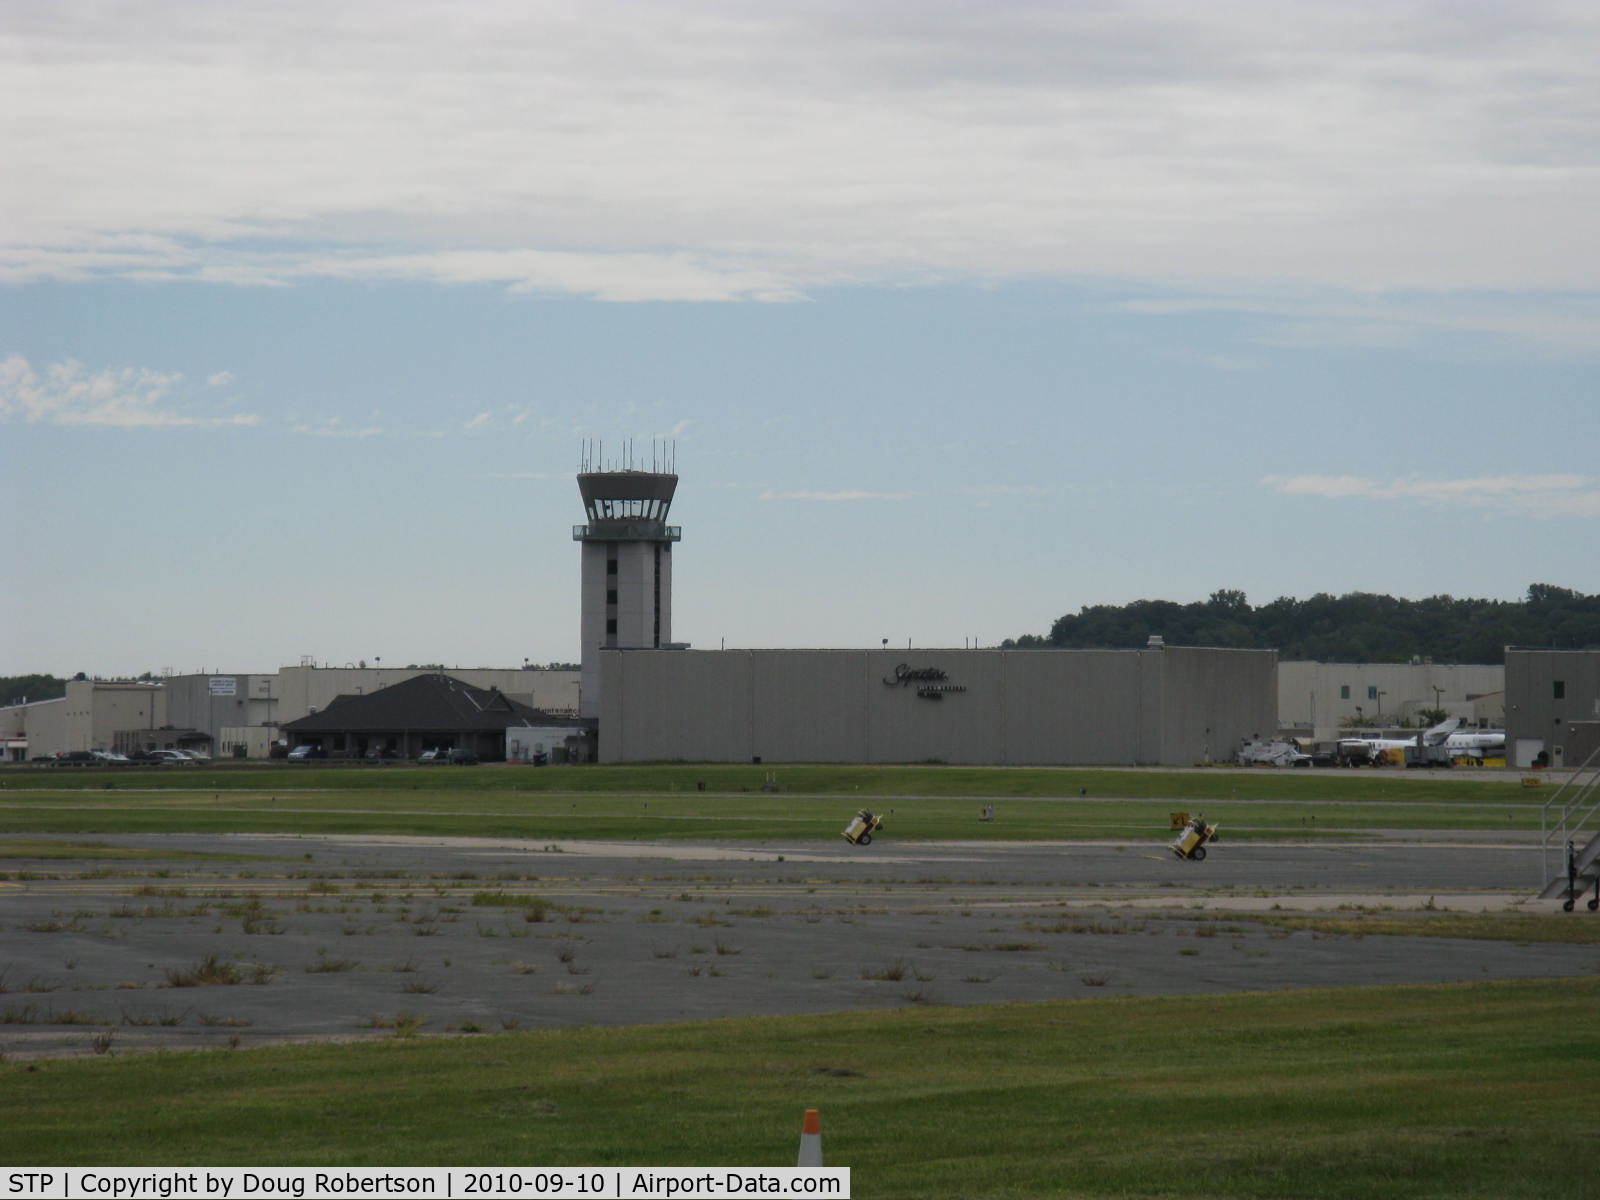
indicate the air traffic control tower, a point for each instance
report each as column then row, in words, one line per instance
column 627, row 561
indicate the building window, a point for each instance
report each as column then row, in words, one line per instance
column 1558, row 689
column 611, row 566
column 1344, row 692
column 1372, row 692
column 611, row 625
column 611, row 595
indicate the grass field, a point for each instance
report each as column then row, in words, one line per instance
column 1453, row 1091
column 42, row 848
column 921, row 803
column 825, row 780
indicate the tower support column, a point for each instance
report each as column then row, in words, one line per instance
column 626, row 590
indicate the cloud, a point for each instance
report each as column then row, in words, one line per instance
column 1567, row 323
column 478, row 421
column 334, row 427
column 220, row 379
column 69, row 393
column 836, row 496
column 1556, row 495
column 1006, row 489
column 698, row 150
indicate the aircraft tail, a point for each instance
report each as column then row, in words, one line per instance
column 1437, row 735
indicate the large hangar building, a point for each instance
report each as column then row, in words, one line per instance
column 1163, row 705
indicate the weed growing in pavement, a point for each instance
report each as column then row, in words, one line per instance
column 210, row 971
column 403, row 1024
column 166, row 1018
column 327, row 966
column 32, row 1014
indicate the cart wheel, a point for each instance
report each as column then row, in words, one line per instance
column 1594, row 904
column 1566, row 905
column 864, row 840
column 1198, row 854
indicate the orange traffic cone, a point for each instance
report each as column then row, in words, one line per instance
column 811, row 1140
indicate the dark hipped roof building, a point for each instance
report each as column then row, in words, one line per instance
column 423, row 713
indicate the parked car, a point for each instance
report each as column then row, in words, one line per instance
column 170, row 756
column 110, row 758
column 305, row 752
column 462, row 758
column 199, row 756
column 439, row 754
column 76, row 758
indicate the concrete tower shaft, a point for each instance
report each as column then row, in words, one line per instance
column 627, row 567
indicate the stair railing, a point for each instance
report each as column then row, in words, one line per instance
column 1557, row 829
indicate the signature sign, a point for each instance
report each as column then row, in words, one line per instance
column 929, row 681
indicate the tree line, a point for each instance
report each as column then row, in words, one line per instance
column 14, row 689
column 1356, row 627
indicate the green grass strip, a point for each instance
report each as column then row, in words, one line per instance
column 1443, row 1091
column 807, row 779
column 42, row 848
column 698, row 816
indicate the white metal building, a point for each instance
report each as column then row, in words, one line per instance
column 1317, row 698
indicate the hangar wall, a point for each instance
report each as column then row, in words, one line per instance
column 1173, row 705
column 1548, row 691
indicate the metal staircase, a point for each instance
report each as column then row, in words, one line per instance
column 1570, row 843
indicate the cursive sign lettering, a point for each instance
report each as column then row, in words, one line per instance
column 929, row 681
column 904, row 675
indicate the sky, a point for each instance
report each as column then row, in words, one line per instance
column 958, row 316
